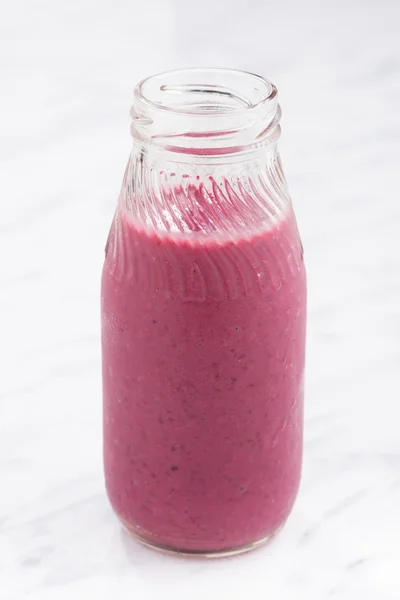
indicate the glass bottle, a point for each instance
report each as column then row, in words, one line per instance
column 203, row 319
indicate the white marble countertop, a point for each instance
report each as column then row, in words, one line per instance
column 68, row 69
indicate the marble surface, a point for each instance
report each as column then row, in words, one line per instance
column 68, row 69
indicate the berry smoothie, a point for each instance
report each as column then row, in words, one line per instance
column 203, row 359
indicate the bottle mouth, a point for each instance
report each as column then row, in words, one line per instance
column 205, row 91
column 205, row 111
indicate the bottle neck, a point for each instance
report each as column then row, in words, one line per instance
column 204, row 157
column 193, row 163
column 206, row 114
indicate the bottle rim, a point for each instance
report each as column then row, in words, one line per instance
column 256, row 90
column 206, row 111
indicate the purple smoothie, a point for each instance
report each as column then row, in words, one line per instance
column 203, row 359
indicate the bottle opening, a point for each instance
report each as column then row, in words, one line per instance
column 205, row 91
column 206, row 111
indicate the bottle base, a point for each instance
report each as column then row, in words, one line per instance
column 176, row 551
